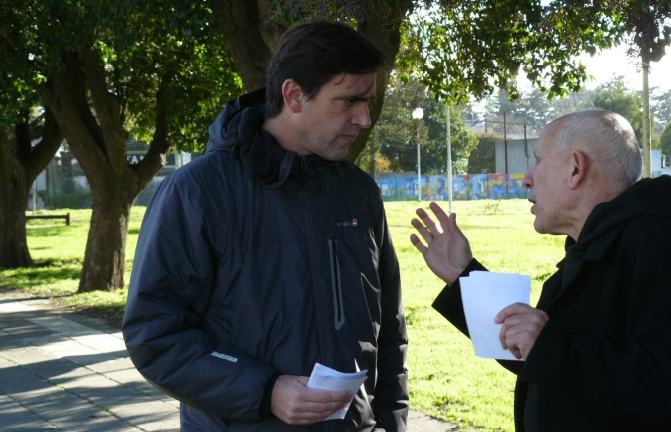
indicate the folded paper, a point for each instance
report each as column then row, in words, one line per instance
column 484, row 295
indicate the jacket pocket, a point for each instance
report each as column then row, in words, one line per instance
column 338, row 306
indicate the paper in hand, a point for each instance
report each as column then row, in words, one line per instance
column 325, row 378
column 483, row 295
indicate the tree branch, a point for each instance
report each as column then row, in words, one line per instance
column 159, row 147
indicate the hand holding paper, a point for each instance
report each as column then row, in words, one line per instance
column 325, row 378
column 296, row 404
column 484, row 295
column 521, row 325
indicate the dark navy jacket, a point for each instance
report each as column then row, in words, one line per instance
column 253, row 262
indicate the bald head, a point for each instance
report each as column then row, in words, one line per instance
column 582, row 159
column 607, row 139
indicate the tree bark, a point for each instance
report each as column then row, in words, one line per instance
column 98, row 142
column 13, row 245
column 250, row 37
column 105, row 256
column 384, row 30
column 20, row 164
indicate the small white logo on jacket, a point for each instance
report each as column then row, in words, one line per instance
column 224, row 356
column 353, row 223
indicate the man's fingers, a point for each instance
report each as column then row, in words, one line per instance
column 327, row 396
column 438, row 211
column 513, row 309
column 430, row 224
column 520, row 326
column 440, row 214
column 422, row 230
column 296, row 404
column 416, row 242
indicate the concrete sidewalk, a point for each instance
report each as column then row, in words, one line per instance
column 65, row 371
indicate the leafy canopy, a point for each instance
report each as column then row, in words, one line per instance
column 144, row 47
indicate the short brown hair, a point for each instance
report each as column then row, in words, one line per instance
column 311, row 54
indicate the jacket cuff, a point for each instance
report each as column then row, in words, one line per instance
column 452, row 293
column 267, row 396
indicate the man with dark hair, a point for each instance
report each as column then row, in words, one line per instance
column 271, row 253
column 597, row 346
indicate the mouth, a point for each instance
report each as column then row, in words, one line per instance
column 349, row 137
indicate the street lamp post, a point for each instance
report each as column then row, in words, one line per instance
column 418, row 114
column 449, row 160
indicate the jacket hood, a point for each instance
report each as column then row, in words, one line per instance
column 648, row 196
column 239, row 129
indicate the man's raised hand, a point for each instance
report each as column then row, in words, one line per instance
column 447, row 251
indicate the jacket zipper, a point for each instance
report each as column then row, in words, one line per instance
column 338, row 307
column 315, row 280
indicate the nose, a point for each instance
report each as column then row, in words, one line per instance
column 528, row 178
column 361, row 116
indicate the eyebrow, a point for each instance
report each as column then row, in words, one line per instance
column 357, row 98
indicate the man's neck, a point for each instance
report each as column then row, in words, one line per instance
column 279, row 128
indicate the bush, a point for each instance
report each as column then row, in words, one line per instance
column 73, row 200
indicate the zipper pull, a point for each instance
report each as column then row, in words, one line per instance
column 304, row 165
column 334, row 246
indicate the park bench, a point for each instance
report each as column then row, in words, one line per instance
column 65, row 216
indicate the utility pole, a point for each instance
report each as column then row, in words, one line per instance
column 418, row 114
column 449, row 161
column 646, row 116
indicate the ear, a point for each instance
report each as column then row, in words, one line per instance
column 579, row 168
column 293, row 95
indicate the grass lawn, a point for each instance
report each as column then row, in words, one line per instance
column 446, row 379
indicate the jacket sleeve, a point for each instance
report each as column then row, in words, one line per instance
column 391, row 390
column 627, row 379
column 449, row 303
column 450, row 306
column 171, row 285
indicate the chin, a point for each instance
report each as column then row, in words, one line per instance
column 335, row 156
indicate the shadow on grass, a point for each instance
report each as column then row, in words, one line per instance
column 49, row 231
column 44, row 273
column 58, row 280
column 111, row 314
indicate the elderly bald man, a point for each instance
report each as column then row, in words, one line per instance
column 597, row 346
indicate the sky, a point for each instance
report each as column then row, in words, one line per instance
column 615, row 62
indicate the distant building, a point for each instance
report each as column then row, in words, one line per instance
column 514, row 156
column 63, row 183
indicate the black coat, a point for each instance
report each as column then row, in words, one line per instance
column 603, row 360
column 253, row 262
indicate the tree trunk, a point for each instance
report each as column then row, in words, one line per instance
column 104, row 259
column 98, row 142
column 250, row 36
column 384, row 30
column 13, row 245
column 20, row 164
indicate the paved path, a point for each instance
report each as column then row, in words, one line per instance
column 65, row 371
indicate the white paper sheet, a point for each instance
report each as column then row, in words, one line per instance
column 325, row 378
column 484, row 294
